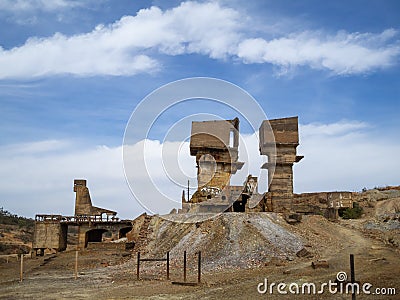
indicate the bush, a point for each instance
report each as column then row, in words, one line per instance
column 8, row 218
column 25, row 237
column 353, row 213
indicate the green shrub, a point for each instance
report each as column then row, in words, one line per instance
column 353, row 213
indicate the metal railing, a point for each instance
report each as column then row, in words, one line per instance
column 76, row 219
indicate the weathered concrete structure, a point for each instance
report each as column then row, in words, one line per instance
column 91, row 231
column 245, row 198
column 51, row 231
column 281, row 151
column 233, row 198
column 324, row 203
column 215, row 145
column 83, row 202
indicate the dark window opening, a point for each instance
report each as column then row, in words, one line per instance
column 123, row 231
column 240, row 205
column 94, row 236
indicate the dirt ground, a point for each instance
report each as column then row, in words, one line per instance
column 112, row 275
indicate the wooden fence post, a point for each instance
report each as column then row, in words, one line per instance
column 167, row 265
column 184, row 266
column 138, row 266
column 199, row 268
column 76, row 264
column 21, row 271
column 353, row 275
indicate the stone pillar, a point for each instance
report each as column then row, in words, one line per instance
column 83, row 203
column 82, row 236
column 278, row 140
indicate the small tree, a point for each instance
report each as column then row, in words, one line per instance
column 353, row 213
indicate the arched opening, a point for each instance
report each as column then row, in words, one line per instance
column 123, row 231
column 94, row 236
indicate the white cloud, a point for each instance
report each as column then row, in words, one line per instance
column 119, row 48
column 344, row 53
column 345, row 156
column 31, row 5
column 131, row 44
column 79, row 55
column 333, row 129
column 38, row 177
column 39, row 148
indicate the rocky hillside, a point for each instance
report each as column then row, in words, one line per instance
column 15, row 233
column 380, row 201
column 381, row 219
column 237, row 240
column 252, row 239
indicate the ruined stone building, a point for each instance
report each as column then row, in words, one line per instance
column 215, row 146
column 329, row 204
column 90, row 223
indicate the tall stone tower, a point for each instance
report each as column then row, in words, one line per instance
column 281, row 157
column 83, row 202
column 215, row 145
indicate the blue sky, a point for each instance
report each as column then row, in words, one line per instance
column 72, row 72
